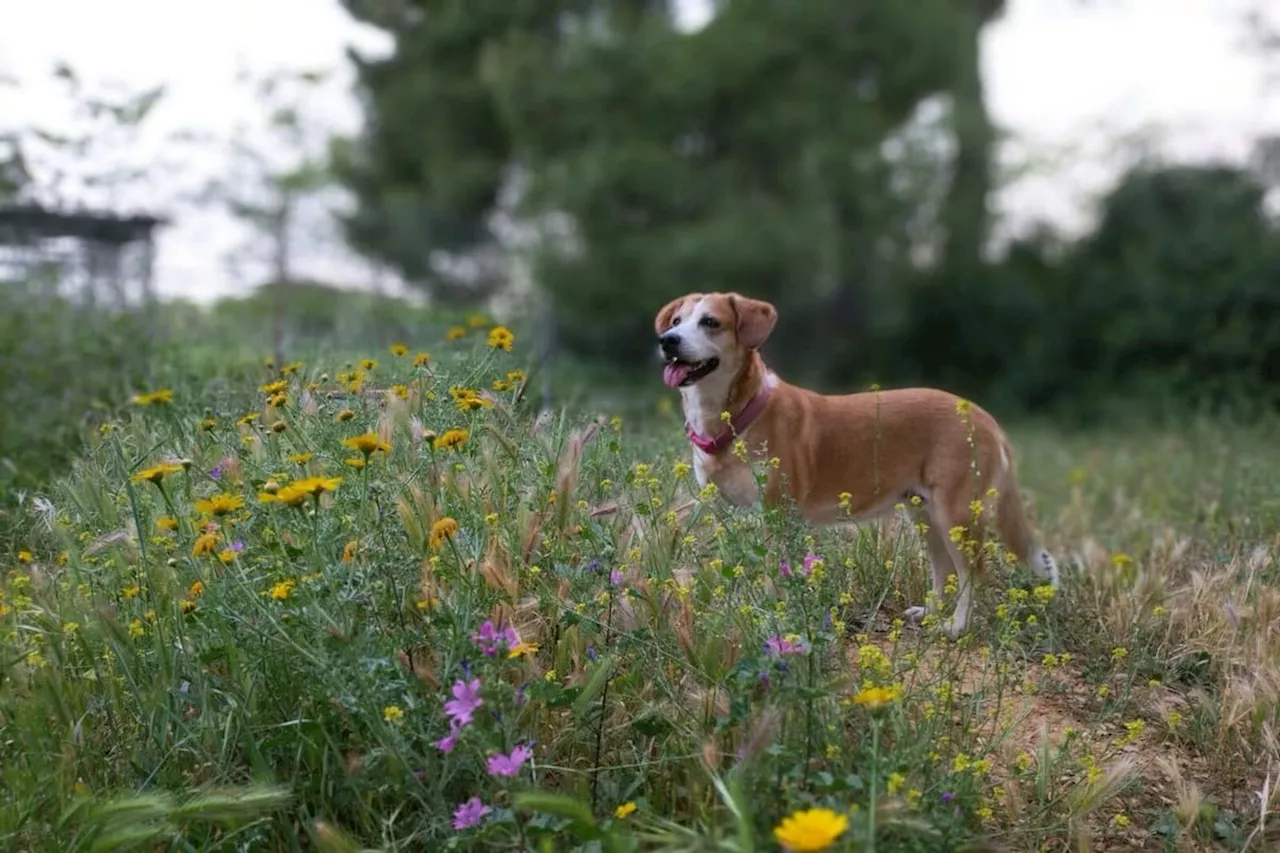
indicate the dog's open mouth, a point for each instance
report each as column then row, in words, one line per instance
column 678, row 373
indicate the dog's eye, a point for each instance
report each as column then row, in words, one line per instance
column 709, row 322
column 675, row 322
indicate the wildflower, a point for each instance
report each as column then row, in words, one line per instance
column 778, row 646
column 1120, row 820
column 349, row 551
column 136, row 628
column 273, row 388
column 344, row 416
column 186, row 605
column 131, row 591
column 248, row 419
column 393, row 714
column 622, row 811
column 896, row 781
column 876, row 697
column 295, row 493
column 469, row 813
column 368, row 363
column 509, row 765
column 399, row 350
column 401, row 391
column 356, row 462
column 220, row 504
column 812, row 829
column 368, row 443
column 500, row 337
column 156, row 473
column 443, row 529
column 291, row 368
column 204, row 544
column 421, row 359
column 279, row 426
column 450, row 439
column 154, row 398
column 283, row 589
column 521, row 649
column 455, row 333
column 488, row 638
column 466, row 699
column 197, row 590
column 301, row 458
column 477, row 320
column 447, row 743
column 812, row 562
column 164, row 522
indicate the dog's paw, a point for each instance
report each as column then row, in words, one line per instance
column 953, row 628
column 914, row 614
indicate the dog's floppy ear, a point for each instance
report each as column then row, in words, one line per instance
column 663, row 320
column 755, row 320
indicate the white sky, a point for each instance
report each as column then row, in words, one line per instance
column 1064, row 77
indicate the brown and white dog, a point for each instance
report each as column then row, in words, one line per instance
column 846, row 457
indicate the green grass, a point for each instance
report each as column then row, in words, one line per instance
column 269, row 677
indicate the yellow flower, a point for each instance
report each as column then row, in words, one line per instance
column 156, row 473
column 247, row 419
column 273, row 388
column 623, row 810
column 209, row 424
column 500, row 337
column 399, row 350
column 401, row 391
column 877, row 697
column 186, row 605
column 279, row 426
column 443, row 529
column 522, row 648
column 393, row 714
column 153, row 398
column 812, row 829
column 450, row 439
column 344, row 416
column 295, row 493
column 164, row 522
column 368, row 444
column 455, row 333
column 282, row 590
column 421, row 359
column 349, row 551
column 477, row 320
column 25, row 557
column 197, row 590
column 290, row 369
column 356, row 462
column 301, row 458
column 204, row 544
column 135, row 628
column 368, row 363
column 220, row 505
column 131, row 591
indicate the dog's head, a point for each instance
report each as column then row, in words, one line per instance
column 702, row 333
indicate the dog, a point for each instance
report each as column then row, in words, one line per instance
column 840, row 458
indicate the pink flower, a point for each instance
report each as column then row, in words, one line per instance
column 446, row 743
column 509, row 765
column 615, row 577
column 469, row 813
column 466, row 698
column 784, row 569
column 778, row 646
column 809, row 560
column 489, row 638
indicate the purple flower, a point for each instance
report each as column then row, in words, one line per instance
column 615, row 577
column 466, row 699
column 446, row 743
column 488, row 638
column 509, row 765
column 592, row 655
column 809, row 560
column 784, row 569
column 216, row 471
column 237, row 546
column 469, row 813
column 947, row 797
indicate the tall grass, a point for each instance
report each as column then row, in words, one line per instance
column 384, row 606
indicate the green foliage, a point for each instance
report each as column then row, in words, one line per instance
column 684, row 676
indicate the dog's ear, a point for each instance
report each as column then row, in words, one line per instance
column 755, row 320
column 663, row 320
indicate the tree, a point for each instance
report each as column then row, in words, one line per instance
column 747, row 155
column 434, row 158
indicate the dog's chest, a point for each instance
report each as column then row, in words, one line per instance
column 733, row 478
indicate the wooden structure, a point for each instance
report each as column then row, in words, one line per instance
column 95, row 259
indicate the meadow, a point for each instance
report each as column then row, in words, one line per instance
column 386, row 605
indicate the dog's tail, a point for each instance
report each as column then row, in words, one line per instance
column 1012, row 523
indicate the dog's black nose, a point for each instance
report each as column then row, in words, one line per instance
column 670, row 343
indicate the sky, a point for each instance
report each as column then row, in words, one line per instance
column 1064, row 78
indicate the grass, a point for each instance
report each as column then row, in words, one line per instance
column 238, row 651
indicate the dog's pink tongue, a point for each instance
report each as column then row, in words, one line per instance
column 673, row 373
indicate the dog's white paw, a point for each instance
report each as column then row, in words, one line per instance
column 914, row 614
column 953, row 628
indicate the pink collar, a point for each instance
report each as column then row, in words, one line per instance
column 737, row 425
